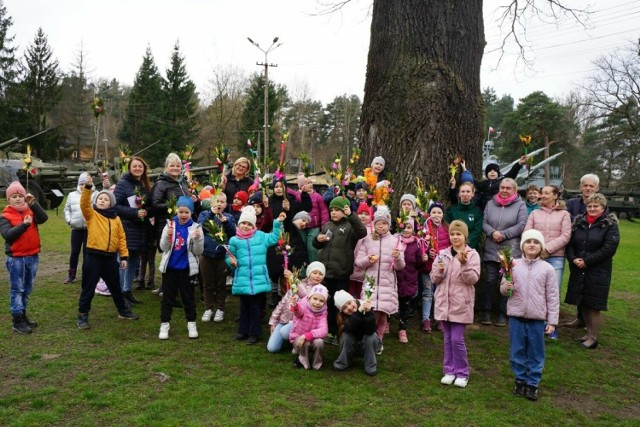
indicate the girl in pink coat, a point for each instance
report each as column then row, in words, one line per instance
column 455, row 272
column 380, row 255
column 309, row 327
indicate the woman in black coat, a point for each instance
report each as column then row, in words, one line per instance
column 131, row 197
column 594, row 240
column 237, row 179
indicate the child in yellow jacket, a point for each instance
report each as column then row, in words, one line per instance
column 105, row 240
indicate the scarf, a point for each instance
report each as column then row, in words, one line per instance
column 407, row 240
column 592, row 219
column 236, row 208
column 504, row 202
column 245, row 234
column 107, row 213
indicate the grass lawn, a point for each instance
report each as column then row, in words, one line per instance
column 119, row 373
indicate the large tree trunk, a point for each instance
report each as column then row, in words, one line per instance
column 422, row 104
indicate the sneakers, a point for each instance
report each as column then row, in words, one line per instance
column 69, row 279
column 501, row 320
column 164, row 331
column 131, row 298
column 553, row 335
column 219, row 317
column 461, row 382
column 380, row 348
column 252, row 340
column 448, row 379
column 426, row 326
column 519, row 388
column 402, row 336
column 193, row 331
column 83, row 321
column 531, row 392
column 485, row 318
column 127, row 314
column 207, row 315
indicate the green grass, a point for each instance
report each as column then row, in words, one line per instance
column 110, row 374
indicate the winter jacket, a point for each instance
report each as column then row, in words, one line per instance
column 311, row 324
column 21, row 239
column 251, row 277
column 455, row 292
column 535, row 292
column 575, row 207
column 554, row 224
column 162, row 190
column 442, row 240
column 385, row 293
column 596, row 244
column 282, row 313
column 212, row 248
column 510, row 220
column 469, row 214
column 408, row 276
column 318, row 211
column 72, row 213
column 337, row 254
column 233, row 186
column 105, row 235
column 194, row 247
column 360, row 324
column 134, row 227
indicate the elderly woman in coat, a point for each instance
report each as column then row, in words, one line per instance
column 594, row 241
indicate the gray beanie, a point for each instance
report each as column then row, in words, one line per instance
column 302, row 215
column 112, row 198
column 409, row 197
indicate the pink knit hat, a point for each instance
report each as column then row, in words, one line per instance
column 319, row 290
column 15, row 187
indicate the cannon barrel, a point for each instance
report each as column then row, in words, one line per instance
column 9, row 143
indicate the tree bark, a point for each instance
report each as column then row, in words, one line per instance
column 422, row 103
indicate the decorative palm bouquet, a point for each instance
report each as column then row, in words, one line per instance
column 215, row 231
column 505, row 256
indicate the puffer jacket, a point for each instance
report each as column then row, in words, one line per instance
column 134, row 227
column 510, row 220
column 408, row 276
column 358, row 273
column 251, row 277
column 535, row 293
column 596, row 244
column 455, row 291
column 282, row 313
column 385, row 292
column 194, row 248
column 337, row 254
column 313, row 325
column 554, row 224
column 212, row 248
column 105, row 235
column 21, row 239
column 72, row 213
column 162, row 190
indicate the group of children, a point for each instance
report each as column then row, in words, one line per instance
column 364, row 275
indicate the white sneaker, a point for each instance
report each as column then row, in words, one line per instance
column 448, row 379
column 193, row 331
column 219, row 317
column 461, row 382
column 164, row 331
column 206, row 316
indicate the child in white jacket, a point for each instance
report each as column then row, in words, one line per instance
column 533, row 309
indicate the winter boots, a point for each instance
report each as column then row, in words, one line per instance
column 20, row 324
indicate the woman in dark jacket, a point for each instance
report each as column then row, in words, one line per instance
column 237, row 180
column 594, row 240
column 131, row 193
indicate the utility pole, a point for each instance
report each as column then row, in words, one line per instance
column 266, row 92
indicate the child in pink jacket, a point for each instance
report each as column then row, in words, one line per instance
column 309, row 327
column 381, row 256
column 534, row 301
column 455, row 273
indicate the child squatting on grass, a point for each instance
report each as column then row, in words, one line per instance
column 105, row 239
column 19, row 228
column 455, row 273
column 309, row 327
column 356, row 331
column 181, row 244
column 534, row 302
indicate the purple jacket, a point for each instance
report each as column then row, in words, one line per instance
column 455, row 291
column 535, row 293
column 408, row 276
column 385, row 293
column 312, row 325
column 554, row 224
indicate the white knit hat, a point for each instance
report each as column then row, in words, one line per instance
column 532, row 234
column 378, row 159
column 316, row 266
column 248, row 215
column 342, row 297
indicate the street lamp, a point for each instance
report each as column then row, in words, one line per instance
column 266, row 65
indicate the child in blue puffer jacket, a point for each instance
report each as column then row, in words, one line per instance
column 248, row 259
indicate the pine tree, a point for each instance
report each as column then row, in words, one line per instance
column 9, row 112
column 143, row 121
column 181, row 104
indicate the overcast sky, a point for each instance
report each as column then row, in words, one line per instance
column 326, row 53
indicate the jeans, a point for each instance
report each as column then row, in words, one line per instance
column 279, row 336
column 455, row 350
column 22, row 273
column 427, row 296
column 557, row 262
column 129, row 274
column 526, row 349
column 350, row 347
column 491, row 287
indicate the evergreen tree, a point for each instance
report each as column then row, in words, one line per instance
column 10, row 113
column 181, row 104
column 143, row 121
